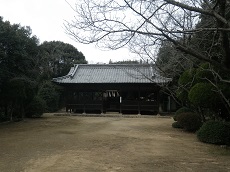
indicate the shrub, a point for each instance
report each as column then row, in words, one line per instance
column 204, row 72
column 3, row 117
column 185, row 82
column 203, row 94
column 36, row 107
column 215, row 132
column 182, row 95
column 176, row 125
column 189, row 121
column 187, row 77
column 48, row 92
column 181, row 110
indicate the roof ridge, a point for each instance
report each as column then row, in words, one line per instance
column 70, row 74
column 113, row 64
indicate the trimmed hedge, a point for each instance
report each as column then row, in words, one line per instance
column 204, row 72
column 176, row 125
column 189, row 121
column 215, row 132
column 185, row 82
column 181, row 110
column 204, row 95
column 187, row 77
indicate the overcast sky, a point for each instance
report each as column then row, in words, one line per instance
column 46, row 18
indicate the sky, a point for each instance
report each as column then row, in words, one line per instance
column 46, row 18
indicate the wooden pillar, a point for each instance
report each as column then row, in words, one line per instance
column 84, row 103
column 84, row 109
column 158, row 100
column 120, row 104
column 67, row 99
column 102, row 102
column 66, row 108
column 139, row 103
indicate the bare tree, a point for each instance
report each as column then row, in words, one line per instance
column 144, row 24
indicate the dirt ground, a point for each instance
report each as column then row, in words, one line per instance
column 105, row 144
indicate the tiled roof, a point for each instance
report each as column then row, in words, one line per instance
column 112, row 73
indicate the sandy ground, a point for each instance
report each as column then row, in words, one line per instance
column 104, row 144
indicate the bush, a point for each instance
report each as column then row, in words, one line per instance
column 203, row 94
column 36, row 107
column 189, row 121
column 181, row 110
column 48, row 92
column 3, row 117
column 182, row 95
column 187, row 77
column 215, row 132
column 176, row 125
column 204, row 72
column 185, row 82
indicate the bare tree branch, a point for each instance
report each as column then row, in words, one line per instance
column 129, row 23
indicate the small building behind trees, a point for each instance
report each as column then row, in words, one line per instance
column 102, row 88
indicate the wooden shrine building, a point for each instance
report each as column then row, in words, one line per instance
column 105, row 88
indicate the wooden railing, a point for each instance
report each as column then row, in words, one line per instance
column 97, row 105
column 125, row 105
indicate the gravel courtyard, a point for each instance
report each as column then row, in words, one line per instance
column 105, row 144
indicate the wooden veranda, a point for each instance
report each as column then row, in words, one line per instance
column 122, row 98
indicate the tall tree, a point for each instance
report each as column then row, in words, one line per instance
column 18, row 54
column 18, row 51
column 57, row 57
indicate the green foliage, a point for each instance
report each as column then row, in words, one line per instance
column 21, row 88
column 185, row 82
column 187, row 78
column 204, row 95
column 24, row 64
column 181, row 110
column 215, row 132
column 49, row 93
column 176, row 125
column 204, row 72
column 189, row 121
column 19, row 92
column 57, row 57
column 18, row 52
column 3, row 117
column 196, row 88
column 36, row 107
column 172, row 62
column 182, row 95
column 18, row 49
column 201, row 40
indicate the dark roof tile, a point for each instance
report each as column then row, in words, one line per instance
column 112, row 73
